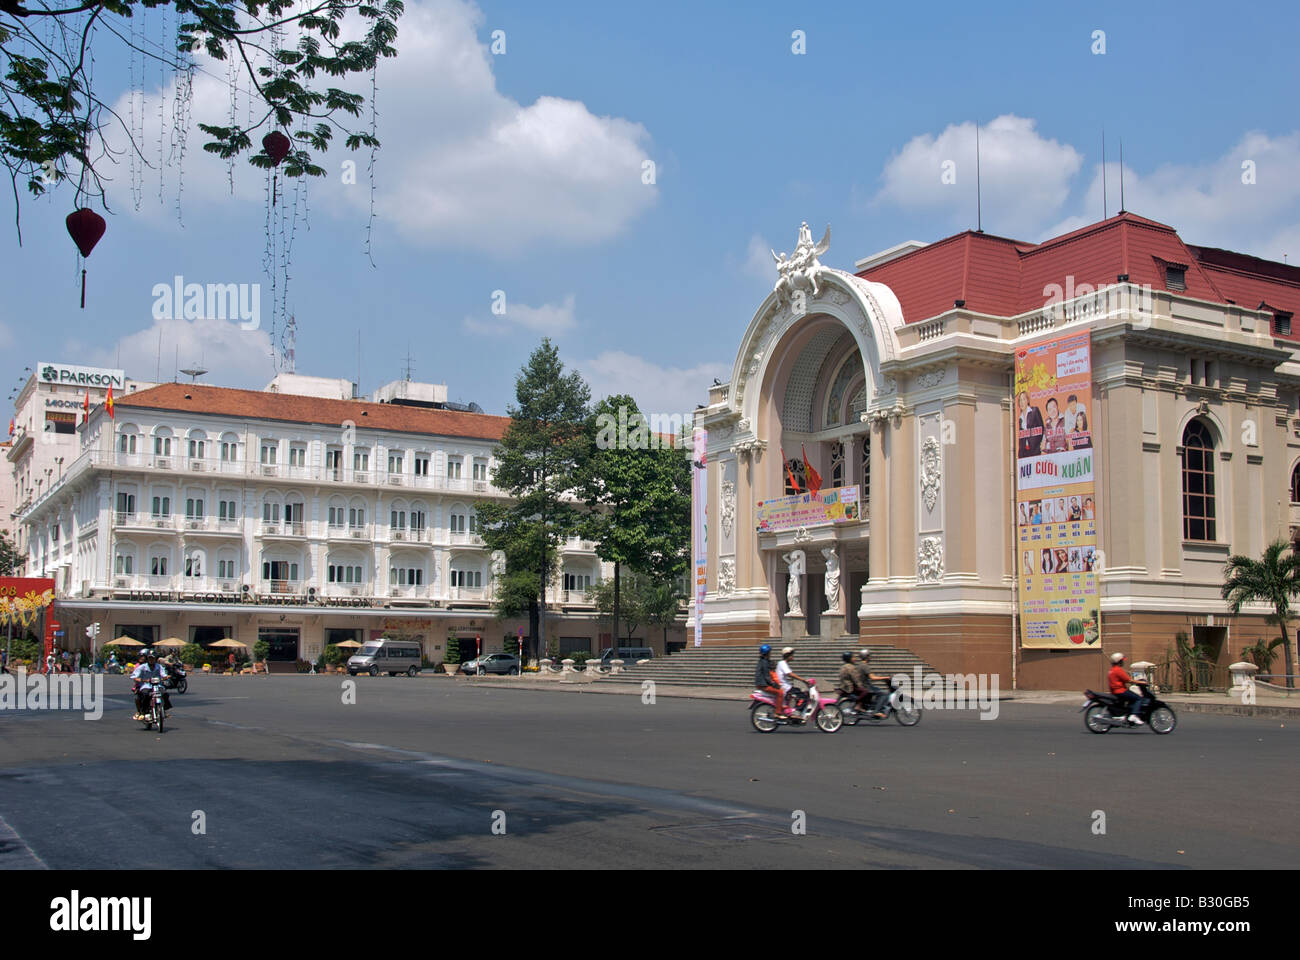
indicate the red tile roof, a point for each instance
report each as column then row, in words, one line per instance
column 1003, row 277
column 259, row 405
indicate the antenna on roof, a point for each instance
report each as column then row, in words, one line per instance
column 406, row 371
column 1121, row 174
column 1104, row 207
column 359, row 393
column 194, row 373
column 176, row 364
column 979, row 208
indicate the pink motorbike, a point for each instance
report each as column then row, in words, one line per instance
column 810, row 707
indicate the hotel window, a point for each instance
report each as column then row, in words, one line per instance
column 297, row 455
column 1295, row 484
column 126, row 443
column 197, row 448
column 467, row 578
column 226, row 570
column 124, row 564
column 453, row 468
column 1282, row 324
column 336, row 516
column 394, row 463
column 194, row 566
column 343, row 573
column 279, row 570
column 270, row 513
column 480, row 470
column 357, row 517
column 334, row 462
column 421, row 464
column 577, row 581
column 229, row 451
column 405, row 576
column 125, row 504
column 158, row 566
column 474, row 526
column 397, row 520
column 418, row 521
column 457, row 523
column 162, row 506
column 269, row 453
column 1198, row 482
column 226, row 510
column 54, row 534
column 193, row 508
column 162, row 446
column 361, row 460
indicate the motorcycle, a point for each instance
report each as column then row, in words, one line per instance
column 809, row 707
column 175, row 679
column 156, row 715
column 901, row 706
column 1101, row 711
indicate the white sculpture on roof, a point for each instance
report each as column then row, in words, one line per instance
column 799, row 271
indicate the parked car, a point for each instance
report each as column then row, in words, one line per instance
column 493, row 663
column 386, row 656
column 627, row 655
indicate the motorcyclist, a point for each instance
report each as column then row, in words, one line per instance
column 848, row 683
column 785, row 673
column 765, row 677
column 869, row 689
column 145, row 676
column 1120, row 681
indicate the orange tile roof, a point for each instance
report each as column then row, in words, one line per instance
column 259, row 405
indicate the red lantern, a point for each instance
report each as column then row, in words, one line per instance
column 276, row 145
column 85, row 227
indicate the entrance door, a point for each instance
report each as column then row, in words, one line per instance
column 282, row 648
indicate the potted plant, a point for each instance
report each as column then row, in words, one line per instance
column 451, row 662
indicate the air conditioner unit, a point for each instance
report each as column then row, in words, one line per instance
column 228, row 587
column 359, row 534
column 480, row 486
column 354, row 592
column 161, row 524
column 268, row 471
column 399, row 535
column 395, row 480
column 164, row 463
column 194, row 525
column 196, row 465
column 270, row 531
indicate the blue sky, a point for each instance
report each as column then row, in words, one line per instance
column 522, row 173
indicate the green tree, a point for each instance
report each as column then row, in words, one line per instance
column 10, row 560
column 637, row 488
column 663, row 607
column 537, row 464
column 631, row 604
column 1273, row 579
column 54, row 124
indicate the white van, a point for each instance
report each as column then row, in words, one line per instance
column 386, row 656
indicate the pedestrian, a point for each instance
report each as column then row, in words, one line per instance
column 4, row 661
column 231, row 661
column 76, row 662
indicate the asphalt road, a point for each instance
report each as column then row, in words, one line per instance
column 420, row 772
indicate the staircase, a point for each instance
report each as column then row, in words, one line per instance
column 733, row 666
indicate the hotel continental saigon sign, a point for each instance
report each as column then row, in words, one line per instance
column 1056, row 505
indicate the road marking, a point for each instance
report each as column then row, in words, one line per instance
column 15, row 854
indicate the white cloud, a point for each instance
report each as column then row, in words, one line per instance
column 1208, row 203
column 656, row 389
column 462, row 164
column 1025, row 178
column 550, row 319
column 232, row 356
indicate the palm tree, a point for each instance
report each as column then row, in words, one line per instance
column 1272, row 579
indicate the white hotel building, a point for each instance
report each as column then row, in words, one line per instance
column 203, row 512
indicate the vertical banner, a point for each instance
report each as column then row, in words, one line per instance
column 1056, row 505
column 700, row 527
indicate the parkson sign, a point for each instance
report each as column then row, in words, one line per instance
column 62, row 373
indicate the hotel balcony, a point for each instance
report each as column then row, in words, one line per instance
column 146, row 521
column 405, row 535
column 420, row 592
column 211, row 525
column 287, row 529
column 465, row 539
column 287, row 587
column 356, row 532
column 467, row 593
column 345, row 590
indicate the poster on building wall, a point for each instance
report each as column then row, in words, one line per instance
column 700, row 528
column 1056, row 506
column 836, row 505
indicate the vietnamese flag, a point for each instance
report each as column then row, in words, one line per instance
column 108, row 404
column 812, row 476
column 790, row 473
column 85, row 404
column 11, row 426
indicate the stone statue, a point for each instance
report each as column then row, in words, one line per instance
column 832, row 580
column 800, row 270
column 795, row 561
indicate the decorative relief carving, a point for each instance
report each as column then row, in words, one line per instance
column 728, row 507
column 929, row 560
column 726, row 576
column 931, row 378
column 931, row 471
column 803, row 536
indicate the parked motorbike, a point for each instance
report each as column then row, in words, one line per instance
column 809, row 707
column 156, row 715
column 901, row 706
column 1101, row 711
column 175, row 679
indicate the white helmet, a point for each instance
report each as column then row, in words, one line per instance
column 787, row 651
column 1116, row 657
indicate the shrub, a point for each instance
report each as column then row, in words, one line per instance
column 192, row 654
column 303, row 666
column 333, row 655
column 453, row 650
column 579, row 657
column 260, row 651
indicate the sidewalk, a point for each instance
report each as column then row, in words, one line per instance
column 1268, row 703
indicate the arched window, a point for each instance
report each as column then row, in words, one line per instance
column 1295, row 484
column 794, row 466
column 837, row 464
column 128, row 439
column 162, row 442
column 1198, row 482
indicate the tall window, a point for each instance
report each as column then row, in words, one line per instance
column 197, row 449
column 394, row 463
column 162, row 506
column 453, row 468
column 480, row 470
column 457, row 522
column 124, row 563
column 421, row 464
column 226, row 570
column 226, row 510
column 795, row 467
column 397, row 520
column 126, row 503
column 269, row 453
column 162, row 446
column 356, row 516
column 467, row 578
column 837, row 464
column 1198, row 482
column 361, row 460
column 126, row 443
column 158, row 566
column 297, row 455
column 193, row 508
column 229, row 451
column 1295, row 484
